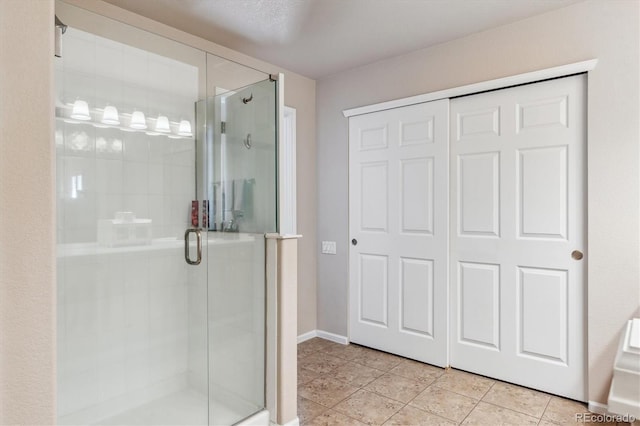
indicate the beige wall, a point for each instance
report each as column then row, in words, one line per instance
column 299, row 94
column 27, row 268
column 287, row 333
column 607, row 30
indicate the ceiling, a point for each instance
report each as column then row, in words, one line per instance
column 318, row 38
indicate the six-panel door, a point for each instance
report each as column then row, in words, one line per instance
column 518, row 212
column 399, row 226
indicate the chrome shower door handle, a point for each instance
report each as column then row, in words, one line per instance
column 187, row 257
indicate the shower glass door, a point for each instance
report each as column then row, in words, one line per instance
column 131, row 340
column 149, row 333
column 237, row 184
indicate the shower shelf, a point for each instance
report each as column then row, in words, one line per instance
column 158, row 244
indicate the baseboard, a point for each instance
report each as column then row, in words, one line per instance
column 605, row 416
column 307, row 336
column 343, row 340
column 598, row 408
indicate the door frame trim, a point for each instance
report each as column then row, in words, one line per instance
column 483, row 86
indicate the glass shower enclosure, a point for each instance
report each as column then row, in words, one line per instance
column 164, row 196
column 236, row 189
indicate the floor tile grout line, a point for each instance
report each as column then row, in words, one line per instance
column 545, row 409
column 495, row 404
column 396, row 412
column 510, row 409
column 318, row 415
column 429, row 412
column 358, row 389
column 366, row 366
column 457, row 393
column 402, row 359
column 401, row 408
column 350, row 395
column 341, row 381
column 435, row 414
column 393, row 399
column 477, row 402
column 354, row 360
column 495, row 381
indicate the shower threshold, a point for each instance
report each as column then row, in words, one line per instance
column 187, row 407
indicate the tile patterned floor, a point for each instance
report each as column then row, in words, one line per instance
column 354, row 385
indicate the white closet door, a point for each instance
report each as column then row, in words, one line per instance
column 398, row 220
column 518, row 164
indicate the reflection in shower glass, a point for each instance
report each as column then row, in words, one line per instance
column 238, row 183
column 241, row 185
column 122, row 201
column 143, row 337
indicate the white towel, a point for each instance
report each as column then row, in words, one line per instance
column 227, row 199
column 238, row 196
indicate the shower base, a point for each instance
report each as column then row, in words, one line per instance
column 187, row 407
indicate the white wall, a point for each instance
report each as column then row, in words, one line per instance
column 27, row 268
column 607, row 30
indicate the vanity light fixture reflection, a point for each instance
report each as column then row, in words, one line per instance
column 80, row 110
column 184, row 129
column 110, row 116
column 138, row 121
column 162, row 124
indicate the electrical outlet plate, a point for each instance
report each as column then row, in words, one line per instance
column 329, row 247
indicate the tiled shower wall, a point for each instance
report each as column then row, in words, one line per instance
column 122, row 328
column 151, row 176
column 229, row 362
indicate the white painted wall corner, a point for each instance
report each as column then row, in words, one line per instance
column 307, row 336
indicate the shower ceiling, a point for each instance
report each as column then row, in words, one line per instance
column 317, row 38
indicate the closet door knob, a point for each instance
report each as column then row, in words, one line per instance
column 354, row 242
column 577, row 255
